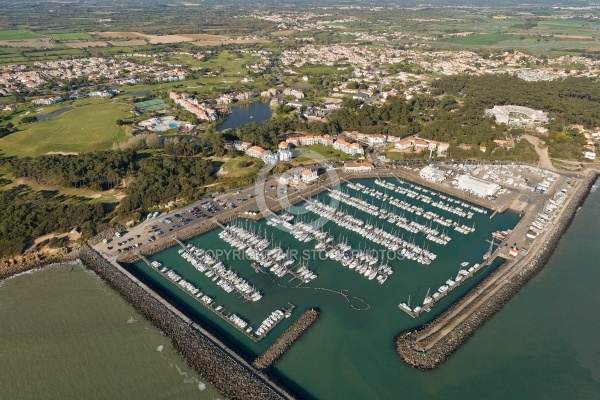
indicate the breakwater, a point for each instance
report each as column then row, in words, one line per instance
column 433, row 343
column 287, row 339
column 205, row 354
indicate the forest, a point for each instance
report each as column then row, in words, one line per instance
column 26, row 214
column 160, row 179
column 572, row 100
column 102, row 170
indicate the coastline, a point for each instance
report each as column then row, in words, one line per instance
column 207, row 355
column 33, row 261
column 234, row 379
column 421, row 355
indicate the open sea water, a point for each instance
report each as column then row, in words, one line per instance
column 542, row 345
column 64, row 334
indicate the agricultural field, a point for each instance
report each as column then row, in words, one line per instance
column 18, row 35
column 481, row 39
column 84, row 128
column 70, row 36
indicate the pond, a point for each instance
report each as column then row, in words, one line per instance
column 243, row 114
column 52, row 114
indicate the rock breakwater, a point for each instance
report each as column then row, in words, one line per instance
column 422, row 354
column 287, row 339
column 229, row 375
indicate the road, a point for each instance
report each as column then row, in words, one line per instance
column 545, row 161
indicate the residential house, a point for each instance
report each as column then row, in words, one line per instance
column 348, row 148
column 405, row 143
column 309, row 175
column 241, row 146
column 256, row 151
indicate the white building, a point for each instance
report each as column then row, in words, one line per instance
column 432, row 174
column 517, row 115
column 270, row 158
column 309, row 175
column 590, row 155
column 285, row 155
column 358, row 167
column 348, row 148
column 477, row 186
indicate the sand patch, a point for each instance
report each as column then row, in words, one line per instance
column 160, row 39
column 32, row 43
column 131, row 42
column 62, row 153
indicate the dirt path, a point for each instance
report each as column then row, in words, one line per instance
column 543, row 153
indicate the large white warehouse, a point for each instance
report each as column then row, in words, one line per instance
column 479, row 187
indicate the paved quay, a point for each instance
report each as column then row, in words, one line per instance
column 429, row 346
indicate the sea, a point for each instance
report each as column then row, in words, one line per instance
column 542, row 344
column 64, row 334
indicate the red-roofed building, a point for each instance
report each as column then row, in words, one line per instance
column 358, row 167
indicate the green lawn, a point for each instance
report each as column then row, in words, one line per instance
column 327, row 152
column 318, row 70
column 71, row 36
column 240, row 166
column 84, row 128
column 15, row 34
column 481, row 39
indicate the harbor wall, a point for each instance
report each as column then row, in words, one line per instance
column 287, row 339
column 206, row 354
column 412, row 350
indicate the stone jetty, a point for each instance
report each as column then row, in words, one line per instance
column 287, row 339
column 433, row 343
column 228, row 372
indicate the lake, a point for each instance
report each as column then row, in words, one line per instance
column 243, row 114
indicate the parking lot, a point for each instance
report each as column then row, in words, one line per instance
column 157, row 225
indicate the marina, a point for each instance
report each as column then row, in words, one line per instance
column 367, row 240
column 310, row 239
column 238, row 322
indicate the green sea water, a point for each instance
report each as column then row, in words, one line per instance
column 542, row 345
column 65, row 335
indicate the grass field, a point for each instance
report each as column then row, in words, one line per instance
column 233, row 64
column 14, row 34
column 239, row 166
column 481, row 39
column 318, row 70
column 308, row 153
column 71, row 36
column 84, row 128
